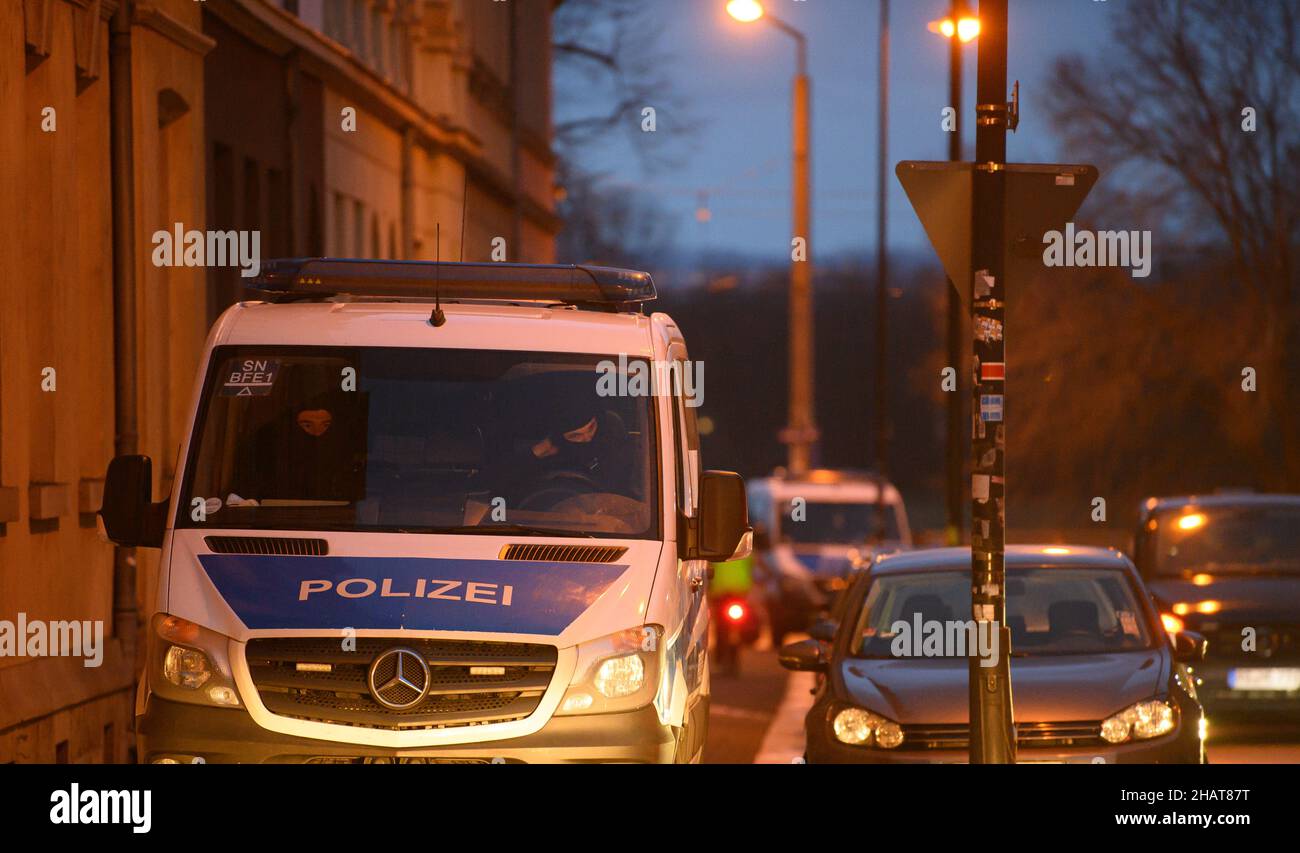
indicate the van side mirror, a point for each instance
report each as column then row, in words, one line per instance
column 722, row 526
column 130, row 516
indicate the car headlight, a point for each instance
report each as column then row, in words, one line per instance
column 619, row 672
column 189, row 663
column 859, row 727
column 1141, row 721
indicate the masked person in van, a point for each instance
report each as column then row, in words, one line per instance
column 579, row 455
column 306, row 454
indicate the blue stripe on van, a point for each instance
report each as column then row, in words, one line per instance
column 416, row 593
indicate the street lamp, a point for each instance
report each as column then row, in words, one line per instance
column 745, row 11
column 801, row 432
column 965, row 27
column 960, row 23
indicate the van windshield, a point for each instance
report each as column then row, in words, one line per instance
column 422, row 441
column 824, row 523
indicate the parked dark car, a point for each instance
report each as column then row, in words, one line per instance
column 1095, row 677
column 1228, row 567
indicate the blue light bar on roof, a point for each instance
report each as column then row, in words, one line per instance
column 306, row 278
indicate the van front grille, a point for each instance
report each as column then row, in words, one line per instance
column 470, row 683
column 564, row 553
column 284, row 545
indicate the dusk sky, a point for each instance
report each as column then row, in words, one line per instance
column 737, row 80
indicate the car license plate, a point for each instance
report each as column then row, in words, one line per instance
column 1265, row 678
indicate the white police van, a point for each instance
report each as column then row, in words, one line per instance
column 813, row 531
column 433, row 513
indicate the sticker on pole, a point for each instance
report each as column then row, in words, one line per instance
column 249, row 377
column 993, row 371
column 990, row 407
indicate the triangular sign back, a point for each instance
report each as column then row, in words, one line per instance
column 1041, row 197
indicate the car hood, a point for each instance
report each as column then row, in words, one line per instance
column 1065, row 688
column 1267, row 598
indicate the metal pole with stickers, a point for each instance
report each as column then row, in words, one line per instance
column 987, row 221
column 992, row 731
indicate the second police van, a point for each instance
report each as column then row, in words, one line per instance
column 433, row 513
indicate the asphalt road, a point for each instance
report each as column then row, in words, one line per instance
column 756, row 716
column 743, row 708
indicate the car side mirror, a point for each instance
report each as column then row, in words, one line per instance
column 823, row 630
column 131, row 518
column 722, row 525
column 803, row 656
column 1190, row 647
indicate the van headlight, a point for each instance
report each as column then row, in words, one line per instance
column 860, row 727
column 619, row 672
column 189, row 668
column 189, row 663
column 1140, row 721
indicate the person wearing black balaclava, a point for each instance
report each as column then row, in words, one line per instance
column 578, row 445
column 308, row 458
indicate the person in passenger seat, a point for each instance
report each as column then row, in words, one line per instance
column 306, row 454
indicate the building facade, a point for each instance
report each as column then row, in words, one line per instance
column 342, row 127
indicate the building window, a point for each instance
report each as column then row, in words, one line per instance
column 397, row 55
column 377, row 26
column 340, row 230
column 357, row 38
column 336, row 18
column 358, row 248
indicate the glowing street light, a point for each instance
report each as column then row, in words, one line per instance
column 966, row 28
column 745, row 11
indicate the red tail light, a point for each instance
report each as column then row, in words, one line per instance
column 735, row 611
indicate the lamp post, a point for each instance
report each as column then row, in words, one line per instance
column 800, row 433
column 959, row 28
column 882, row 258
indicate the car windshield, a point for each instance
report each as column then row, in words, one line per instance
column 1050, row 610
column 421, row 440
column 824, row 523
column 1239, row 540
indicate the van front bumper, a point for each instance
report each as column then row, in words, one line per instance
column 190, row 733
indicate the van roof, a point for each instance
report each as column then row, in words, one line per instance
column 483, row 326
column 593, row 287
column 829, row 486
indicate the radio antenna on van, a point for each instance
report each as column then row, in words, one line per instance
column 438, row 317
